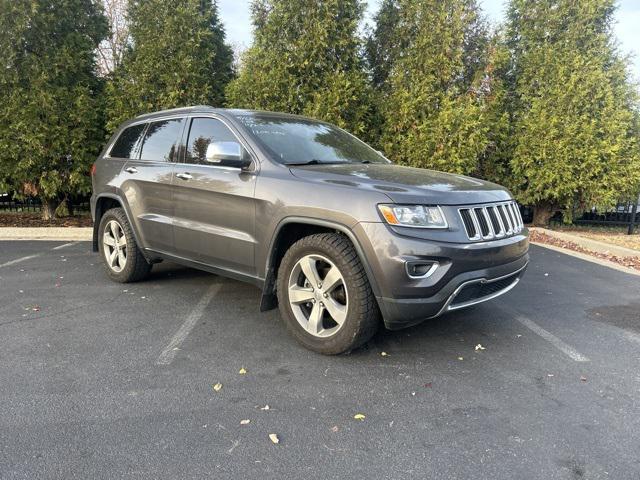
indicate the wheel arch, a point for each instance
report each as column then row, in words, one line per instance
column 105, row 202
column 292, row 229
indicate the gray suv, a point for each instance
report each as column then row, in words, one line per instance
column 330, row 230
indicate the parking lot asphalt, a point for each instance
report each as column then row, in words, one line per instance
column 103, row 380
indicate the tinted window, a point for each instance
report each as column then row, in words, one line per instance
column 297, row 140
column 203, row 131
column 126, row 143
column 161, row 140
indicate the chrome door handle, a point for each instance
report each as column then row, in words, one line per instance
column 184, row 176
column 131, row 170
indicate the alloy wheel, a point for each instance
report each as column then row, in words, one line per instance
column 115, row 246
column 318, row 295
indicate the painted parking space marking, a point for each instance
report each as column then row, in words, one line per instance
column 19, row 260
column 35, row 255
column 169, row 353
column 551, row 338
column 60, row 247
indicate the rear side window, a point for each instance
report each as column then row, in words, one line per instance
column 203, row 131
column 125, row 145
column 161, row 140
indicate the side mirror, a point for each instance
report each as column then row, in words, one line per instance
column 228, row 154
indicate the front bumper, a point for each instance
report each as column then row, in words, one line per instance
column 468, row 273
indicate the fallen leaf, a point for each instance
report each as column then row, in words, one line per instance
column 217, row 387
column 274, row 438
column 242, row 371
column 245, row 422
column 359, row 416
column 479, row 347
column 266, row 407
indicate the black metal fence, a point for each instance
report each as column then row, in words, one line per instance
column 621, row 215
column 77, row 205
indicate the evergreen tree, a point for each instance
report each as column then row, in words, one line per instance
column 50, row 115
column 177, row 57
column 435, row 108
column 382, row 48
column 305, row 60
column 574, row 111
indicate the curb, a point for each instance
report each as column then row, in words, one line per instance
column 47, row 233
column 589, row 244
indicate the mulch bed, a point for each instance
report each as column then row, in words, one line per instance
column 35, row 220
column 631, row 262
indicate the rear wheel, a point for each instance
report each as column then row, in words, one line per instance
column 122, row 257
column 324, row 295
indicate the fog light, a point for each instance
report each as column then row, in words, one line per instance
column 421, row 269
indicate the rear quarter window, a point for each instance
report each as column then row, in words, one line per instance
column 124, row 146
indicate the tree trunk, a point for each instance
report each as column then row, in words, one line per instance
column 542, row 213
column 49, row 209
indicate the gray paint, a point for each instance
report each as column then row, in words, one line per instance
column 226, row 219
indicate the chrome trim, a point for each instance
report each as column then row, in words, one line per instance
column 446, row 307
column 427, row 274
column 509, row 210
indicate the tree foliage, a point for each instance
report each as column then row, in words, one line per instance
column 382, row 44
column 574, row 111
column 177, row 57
column 305, row 59
column 435, row 107
column 50, row 114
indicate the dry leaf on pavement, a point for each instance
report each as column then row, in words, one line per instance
column 359, row 416
column 274, row 438
column 217, row 387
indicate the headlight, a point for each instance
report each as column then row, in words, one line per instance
column 419, row 216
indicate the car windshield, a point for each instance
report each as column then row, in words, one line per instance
column 300, row 141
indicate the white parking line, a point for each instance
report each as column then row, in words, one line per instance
column 18, row 260
column 551, row 338
column 65, row 245
column 168, row 354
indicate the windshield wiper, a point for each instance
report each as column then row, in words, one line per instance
column 313, row 162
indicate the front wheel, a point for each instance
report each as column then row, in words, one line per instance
column 324, row 295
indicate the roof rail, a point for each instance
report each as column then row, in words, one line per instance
column 178, row 109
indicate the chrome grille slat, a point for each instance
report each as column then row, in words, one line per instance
column 492, row 221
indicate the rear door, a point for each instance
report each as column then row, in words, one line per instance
column 147, row 184
column 214, row 219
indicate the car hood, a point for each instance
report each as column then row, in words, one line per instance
column 406, row 184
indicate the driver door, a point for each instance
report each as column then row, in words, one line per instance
column 214, row 217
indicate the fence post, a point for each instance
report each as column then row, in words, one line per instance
column 632, row 223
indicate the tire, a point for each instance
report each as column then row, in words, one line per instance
column 308, row 310
column 134, row 267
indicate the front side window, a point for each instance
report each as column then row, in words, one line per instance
column 299, row 141
column 203, row 131
column 161, row 140
column 125, row 146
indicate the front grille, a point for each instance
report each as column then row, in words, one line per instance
column 488, row 222
column 477, row 291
